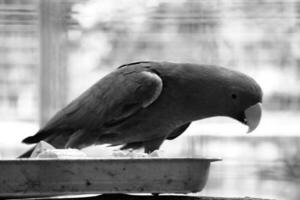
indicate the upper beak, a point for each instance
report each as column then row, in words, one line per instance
column 253, row 116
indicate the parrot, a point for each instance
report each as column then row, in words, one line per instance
column 142, row 104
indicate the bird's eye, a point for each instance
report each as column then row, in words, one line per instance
column 233, row 96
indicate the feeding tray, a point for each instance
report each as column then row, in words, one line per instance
column 49, row 177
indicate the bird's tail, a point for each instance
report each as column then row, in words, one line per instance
column 31, row 140
column 27, row 154
column 40, row 135
column 55, row 140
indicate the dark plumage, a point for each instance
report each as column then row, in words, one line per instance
column 141, row 104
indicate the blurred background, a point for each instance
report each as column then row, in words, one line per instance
column 51, row 51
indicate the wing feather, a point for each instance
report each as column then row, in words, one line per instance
column 113, row 99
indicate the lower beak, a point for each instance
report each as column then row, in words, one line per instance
column 253, row 116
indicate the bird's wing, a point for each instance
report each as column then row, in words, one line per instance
column 178, row 131
column 110, row 101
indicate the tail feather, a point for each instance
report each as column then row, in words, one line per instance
column 41, row 135
column 30, row 140
column 57, row 139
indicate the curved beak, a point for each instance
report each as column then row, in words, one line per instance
column 253, row 116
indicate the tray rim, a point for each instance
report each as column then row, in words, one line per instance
column 97, row 159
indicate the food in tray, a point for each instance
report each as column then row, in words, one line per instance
column 62, row 154
column 41, row 147
column 133, row 154
column 45, row 150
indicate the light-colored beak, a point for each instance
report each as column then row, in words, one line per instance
column 253, row 116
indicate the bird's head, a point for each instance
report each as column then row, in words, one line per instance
column 243, row 98
column 209, row 91
column 227, row 93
